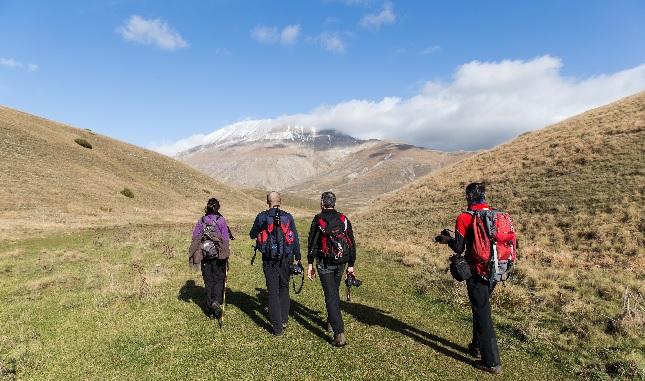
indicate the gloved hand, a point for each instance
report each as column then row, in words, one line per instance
column 443, row 239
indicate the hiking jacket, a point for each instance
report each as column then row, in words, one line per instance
column 313, row 246
column 463, row 239
column 194, row 253
column 260, row 224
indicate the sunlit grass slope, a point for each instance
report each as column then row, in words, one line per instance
column 49, row 180
column 576, row 192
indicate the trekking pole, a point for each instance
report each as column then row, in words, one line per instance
column 221, row 319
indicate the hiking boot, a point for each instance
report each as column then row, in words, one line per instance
column 284, row 325
column 278, row 334
column 217, row 310
column 329, row 328
column 339, row 340
column 474, row 351
column 497, row 369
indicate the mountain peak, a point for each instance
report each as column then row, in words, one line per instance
column 259, row 131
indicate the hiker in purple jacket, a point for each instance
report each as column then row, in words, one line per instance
column 213, row 269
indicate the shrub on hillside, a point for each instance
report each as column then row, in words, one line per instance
column 127, row 193
column 83, row 143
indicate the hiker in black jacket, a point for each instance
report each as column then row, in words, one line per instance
column 329, row 231
column 277, row 239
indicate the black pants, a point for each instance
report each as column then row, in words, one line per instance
column 214, row 272
column 483, row 332
column 330, row 278
column 277, row 280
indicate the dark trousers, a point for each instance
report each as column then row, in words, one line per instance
column 330, row 278
column 276, row 274
column 214, row 272
column 483, row 332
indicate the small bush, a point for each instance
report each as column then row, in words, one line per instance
column 127, row 193
column 83, row 143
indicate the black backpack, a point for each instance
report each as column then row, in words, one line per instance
column 212, row 245
column 335, row 244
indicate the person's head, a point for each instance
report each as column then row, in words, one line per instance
column 328, row 200
column 212, row 207
column 475, row 193
column 274, row 199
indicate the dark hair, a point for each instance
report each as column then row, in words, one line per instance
column 476, row 193
column 328, row 200
column 212, row 207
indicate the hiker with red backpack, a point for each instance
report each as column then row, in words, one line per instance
column 331, row 243
column 277, row 239
column 209, row 251
column 488, row 237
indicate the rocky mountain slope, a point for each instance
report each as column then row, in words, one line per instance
column 305, row 161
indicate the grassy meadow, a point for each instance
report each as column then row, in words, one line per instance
column 121, row 304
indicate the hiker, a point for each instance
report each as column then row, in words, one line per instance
column 480, row 281
column 209, row 251
column 331, row 243
column 277, row 239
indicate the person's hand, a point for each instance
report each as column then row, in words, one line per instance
column 311, row 272
column 350, row 270
column 442, row 239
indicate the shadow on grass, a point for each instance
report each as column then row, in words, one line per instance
column 375, row 317
column 255, row 307
column 305, row 316
column 191, row 292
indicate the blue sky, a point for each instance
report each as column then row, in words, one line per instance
column 152, row 72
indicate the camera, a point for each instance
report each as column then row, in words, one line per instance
column 352, row 281
column 296, row 269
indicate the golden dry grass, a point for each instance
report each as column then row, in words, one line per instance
column 576, row 192
column 51, row 182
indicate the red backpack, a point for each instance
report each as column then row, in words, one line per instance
column 335, row 243
column 494, row 244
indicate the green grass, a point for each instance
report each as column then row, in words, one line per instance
column 122, row 304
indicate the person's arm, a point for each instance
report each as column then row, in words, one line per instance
column 296, row 243
column 312, row 241
column 223, row 229
column 199, row 228
column 458, row 243
column 257, row 227
column 352, row 251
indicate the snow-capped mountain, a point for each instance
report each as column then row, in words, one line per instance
column 259, row 154
column 265, row 131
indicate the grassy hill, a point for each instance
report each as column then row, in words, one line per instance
column 576, row 192
column 50, row 181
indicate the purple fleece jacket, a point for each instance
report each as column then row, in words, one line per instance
column 221, row 224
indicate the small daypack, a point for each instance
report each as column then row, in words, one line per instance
column 276, row 240
column 212, row 244
column 335, row 244
column 494, row 244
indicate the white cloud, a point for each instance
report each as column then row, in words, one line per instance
column 289, row 34
column 151, row 32
column 14, row 64
column 430, row 50
column 272, row 34
column 484, row 104
column 332, row 42
column 265, row 34
column 376, row 20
